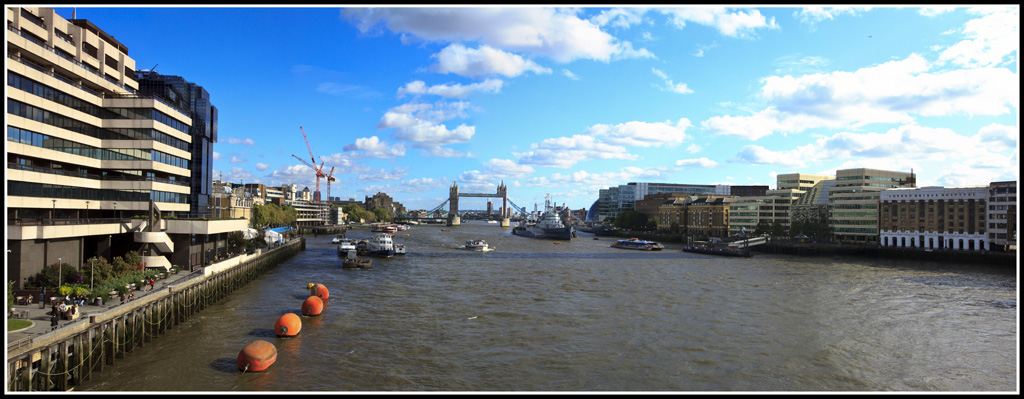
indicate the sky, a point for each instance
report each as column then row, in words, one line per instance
column 566, row 101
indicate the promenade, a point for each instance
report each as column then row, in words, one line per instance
column 40, row 316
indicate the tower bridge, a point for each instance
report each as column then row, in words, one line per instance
column 453, row 202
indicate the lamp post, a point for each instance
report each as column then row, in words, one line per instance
column 60, row 270
column 86, row 209
column 54, row 214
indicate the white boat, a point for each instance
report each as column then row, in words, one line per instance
column 636, row 243
column 381, row 246
column 337, row 239
column 345, row 246
column 549, row 226
column 478, row 245
column 399, row 249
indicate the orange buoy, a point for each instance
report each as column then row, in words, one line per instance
column 319, row 290
column 257, row 356
column 312, row 306
column 288, row 325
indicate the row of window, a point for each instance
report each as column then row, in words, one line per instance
column 28, row 137
column 40, row 190
column 30, row 86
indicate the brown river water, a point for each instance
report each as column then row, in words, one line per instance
column 578, row 316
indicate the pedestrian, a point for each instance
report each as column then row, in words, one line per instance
column 53, row 321
column 152, row 283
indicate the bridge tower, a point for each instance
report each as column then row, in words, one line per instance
column 453, row 202
column 503, row 193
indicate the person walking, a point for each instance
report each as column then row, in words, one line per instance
column 54, row 321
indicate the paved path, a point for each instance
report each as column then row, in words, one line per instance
column 40, row 317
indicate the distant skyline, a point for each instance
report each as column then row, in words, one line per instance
column 567, row 101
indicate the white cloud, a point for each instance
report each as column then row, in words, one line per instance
column 600, row 180
column 372, row 147
column 383, row 175
column 496, row 169
column 758, row 155
column 231, row 140
column 420, row 125
column 998, row 137
column 620, row 17
column 892, row 92
column 451, row 91
column 812, row 15
column 680, row 88
column 262, row 166
column 697, row 162
column 217, row 155
column 557, row 33
column 486, row 60
column 570, row 75
column 991, row 40
column 235, row 159
column 641, row 134
column 564, row 152
column 730, row 23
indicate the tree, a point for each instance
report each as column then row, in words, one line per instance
column 48, row 277
column 383, row 214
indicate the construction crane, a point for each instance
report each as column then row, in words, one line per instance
column 318, row 170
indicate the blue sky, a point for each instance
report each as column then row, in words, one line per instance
column 566, row 101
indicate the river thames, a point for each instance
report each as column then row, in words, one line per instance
column 544, row 316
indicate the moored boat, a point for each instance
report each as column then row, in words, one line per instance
column 381, row 246
column 345, row 246
column 638, row 244
column 549, row 226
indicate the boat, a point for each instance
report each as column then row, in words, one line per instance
column 477, row 245
column 399, row 249
column 636, row 243
column 716, row 247
column 381, row 246
column 385, row 228
column 549, row 226
column 402, row 227
column 337, row 239
column 357, row 263
column 345, row 246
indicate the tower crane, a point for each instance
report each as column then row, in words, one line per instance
column 318, row 170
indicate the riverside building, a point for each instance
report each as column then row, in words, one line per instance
column 1002, row 215
column 749, row 214
column 89, row 158
column 853, row 202
column 952, row 218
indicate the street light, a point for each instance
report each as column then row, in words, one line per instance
column 60, row 270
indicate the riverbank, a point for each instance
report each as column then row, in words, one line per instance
column 41, row 358
column 991, row 258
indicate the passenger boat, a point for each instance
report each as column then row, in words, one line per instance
column 636, row 243
column 345, row 246
column 718, row 248
column 337, row 239
column 385, row 228
column 402, row 227
column 381, row 246
column 477, row 245
column 399, row 249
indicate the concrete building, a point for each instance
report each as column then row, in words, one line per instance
column 87, row 153
column 230, row 201
column 1002, row 215
column 853, row 202
column 951, row 218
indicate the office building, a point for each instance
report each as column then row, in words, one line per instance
column 951, row 218
column 1002, row 215
column 86, row 152
column 853, row 202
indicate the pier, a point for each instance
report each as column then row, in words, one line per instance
column 43, row 359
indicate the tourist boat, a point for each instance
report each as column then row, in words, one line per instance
column 636, row 243
column 337, row 239
column 402, row 227
column 549, row 226
column 381, row 246
column 346, row 246
column 399, row 249
column 385, row 228
column 477, row 245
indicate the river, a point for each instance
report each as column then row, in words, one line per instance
column 578, row 316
